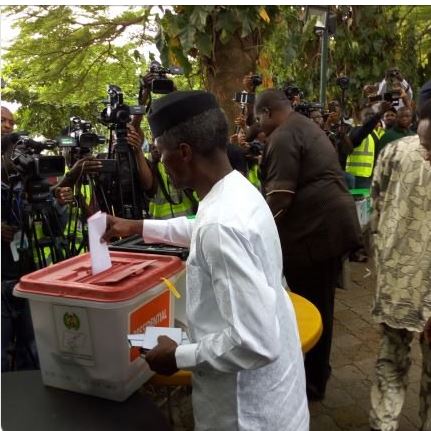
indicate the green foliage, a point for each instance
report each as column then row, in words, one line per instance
column 373, row 39
column 63, row 60
column 65, row 56
column 196, row 31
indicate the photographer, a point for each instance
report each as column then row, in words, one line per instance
column 18, row 347
column 166, row 201
column 317, row 117
column 394, row 82
column 250, row 82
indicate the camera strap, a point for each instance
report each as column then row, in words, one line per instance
column 165, row 191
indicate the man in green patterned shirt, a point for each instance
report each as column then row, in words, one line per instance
column 401, row 224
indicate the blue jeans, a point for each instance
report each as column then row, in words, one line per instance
column 18, row 346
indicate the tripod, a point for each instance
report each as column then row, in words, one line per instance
column 129, row 202
column 41, row 226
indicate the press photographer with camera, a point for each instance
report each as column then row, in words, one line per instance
column 29, row 235
column 394, row 84
column 165, row 200
column 317, row 117
column 18, row 346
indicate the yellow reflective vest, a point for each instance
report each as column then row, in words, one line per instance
column 161, row 208
column 253, row 175
column 360, row 162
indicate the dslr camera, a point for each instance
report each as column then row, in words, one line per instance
column 161, row 84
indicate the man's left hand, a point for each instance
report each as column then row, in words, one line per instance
column 161, row 358
column 64, row 195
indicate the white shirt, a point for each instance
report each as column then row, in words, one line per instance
column 383, row 88
column 245, row 353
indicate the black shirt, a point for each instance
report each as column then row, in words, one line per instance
column 321, row 222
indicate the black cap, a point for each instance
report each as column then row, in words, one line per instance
column 177, row 107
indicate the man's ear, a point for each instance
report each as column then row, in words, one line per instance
column 186, row 152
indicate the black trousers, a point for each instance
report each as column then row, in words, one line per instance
column 317, row 283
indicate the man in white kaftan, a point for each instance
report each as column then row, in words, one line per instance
column 245, row 352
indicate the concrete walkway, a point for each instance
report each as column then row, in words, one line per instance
column 353, row 357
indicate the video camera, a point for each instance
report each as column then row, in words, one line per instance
column 305, row 108
column 30, row 163
column 33, row 169
column 161, row 84
column 117, row 112
column 80, row 135
column 292, row 91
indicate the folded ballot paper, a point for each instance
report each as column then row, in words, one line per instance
column 148, row 340
column 99, row 253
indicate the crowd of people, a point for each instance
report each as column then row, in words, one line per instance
column 271, row 209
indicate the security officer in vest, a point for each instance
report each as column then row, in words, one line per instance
column 165, row 200
column 168, row 201
column 365, row 141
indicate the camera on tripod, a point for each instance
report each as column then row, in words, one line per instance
column 117, row 113
column 33, row 168
column 80, row 135
column 161, row 84
column 124, row 191
column 31, row 164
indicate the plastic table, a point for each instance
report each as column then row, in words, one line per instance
column 26, row 404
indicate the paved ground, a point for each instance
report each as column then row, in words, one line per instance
column 354, row 351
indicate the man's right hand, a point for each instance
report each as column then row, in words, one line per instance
column 117, row 227
column 384, row 106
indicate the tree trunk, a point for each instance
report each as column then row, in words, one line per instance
column 224, row 75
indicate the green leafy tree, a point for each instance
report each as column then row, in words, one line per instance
column 63, row 59
column 224, row 40
column 368, row 40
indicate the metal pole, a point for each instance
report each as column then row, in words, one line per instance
column 323, row 66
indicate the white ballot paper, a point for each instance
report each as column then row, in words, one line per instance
column 148, row 340
column 100, row 259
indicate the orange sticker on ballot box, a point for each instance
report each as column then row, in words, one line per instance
column 153, row 313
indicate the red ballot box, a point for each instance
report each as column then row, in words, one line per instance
column 81, row 321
